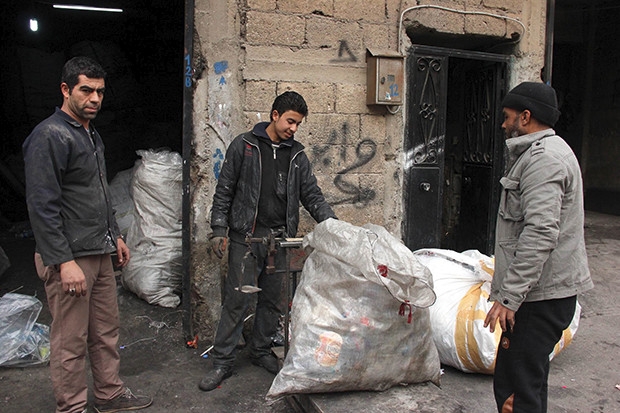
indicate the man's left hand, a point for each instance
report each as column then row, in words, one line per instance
column 505, row 316
column 122, row 251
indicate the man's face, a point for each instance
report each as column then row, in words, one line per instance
column 512, row 123
column 84, row 101
column 286, row 124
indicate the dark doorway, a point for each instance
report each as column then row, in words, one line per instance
column 585, row 76
column 142, row 51
column 454, row 148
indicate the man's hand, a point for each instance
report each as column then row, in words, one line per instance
column 505, row 316
column 122, row 251
column 73, row 279
column 218, row 245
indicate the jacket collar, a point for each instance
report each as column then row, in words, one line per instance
column 260, row 130
column 516, row 146
column 65, row 116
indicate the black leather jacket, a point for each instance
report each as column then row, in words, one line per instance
column 67, row 193
column 235, row 203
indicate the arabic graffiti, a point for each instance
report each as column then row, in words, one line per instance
column 364, row 152
column 335, row 150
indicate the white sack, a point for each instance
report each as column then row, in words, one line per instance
column 120, row 194
column 462, row 282
column 359, row 319
column 154, row 272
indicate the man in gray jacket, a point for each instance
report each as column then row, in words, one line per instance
column 540, row 255
column 265, row 176
column 75, row 231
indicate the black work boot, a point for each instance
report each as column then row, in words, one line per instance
column 268, row 362
column 213, row 378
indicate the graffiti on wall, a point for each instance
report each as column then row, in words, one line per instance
column 188, row 70
column 220, row 68
column 218, row 158
column 344, row 53
column 335, row 151
column 220, row 111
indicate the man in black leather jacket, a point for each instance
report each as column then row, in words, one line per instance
column 265, row 175
column 75, row 231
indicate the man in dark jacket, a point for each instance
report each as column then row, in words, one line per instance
column 265, row 176
column 75, row 232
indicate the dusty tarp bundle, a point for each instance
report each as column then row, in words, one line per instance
column 359, row 319
column 154, row 272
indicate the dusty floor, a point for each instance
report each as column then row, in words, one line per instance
column 155, row 360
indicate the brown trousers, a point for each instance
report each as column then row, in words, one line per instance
column 83, row 325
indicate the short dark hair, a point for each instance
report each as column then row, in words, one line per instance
column 81, row 65
column 289, row 101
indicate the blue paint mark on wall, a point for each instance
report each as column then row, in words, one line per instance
column 217, row 166
column 220, row 67
column 188, row 71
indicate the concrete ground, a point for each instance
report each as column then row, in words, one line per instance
column 155, row 360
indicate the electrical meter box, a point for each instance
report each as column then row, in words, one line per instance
column 385, row 73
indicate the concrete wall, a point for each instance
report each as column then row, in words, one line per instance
column 249, row 52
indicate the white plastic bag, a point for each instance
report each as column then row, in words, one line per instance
column 154, row 272
column 23, row 342
column 359, row 319
column 462, row 282
column 120, row 194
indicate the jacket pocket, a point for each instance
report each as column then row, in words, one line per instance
column 507, row 250
column 504, row 255
column 510, row 202
column 86, row 234
column 45, row 272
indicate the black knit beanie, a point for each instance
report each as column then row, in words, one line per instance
column 538, row 98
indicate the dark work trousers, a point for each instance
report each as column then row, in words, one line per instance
column 522, row 363
column 248, row 267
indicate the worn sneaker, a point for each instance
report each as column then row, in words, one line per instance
column 125, row 401
column 268, row 362
column 214, row 378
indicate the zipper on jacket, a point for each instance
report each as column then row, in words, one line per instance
column 260, row 172
column 288, row 192
column 103, row 188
